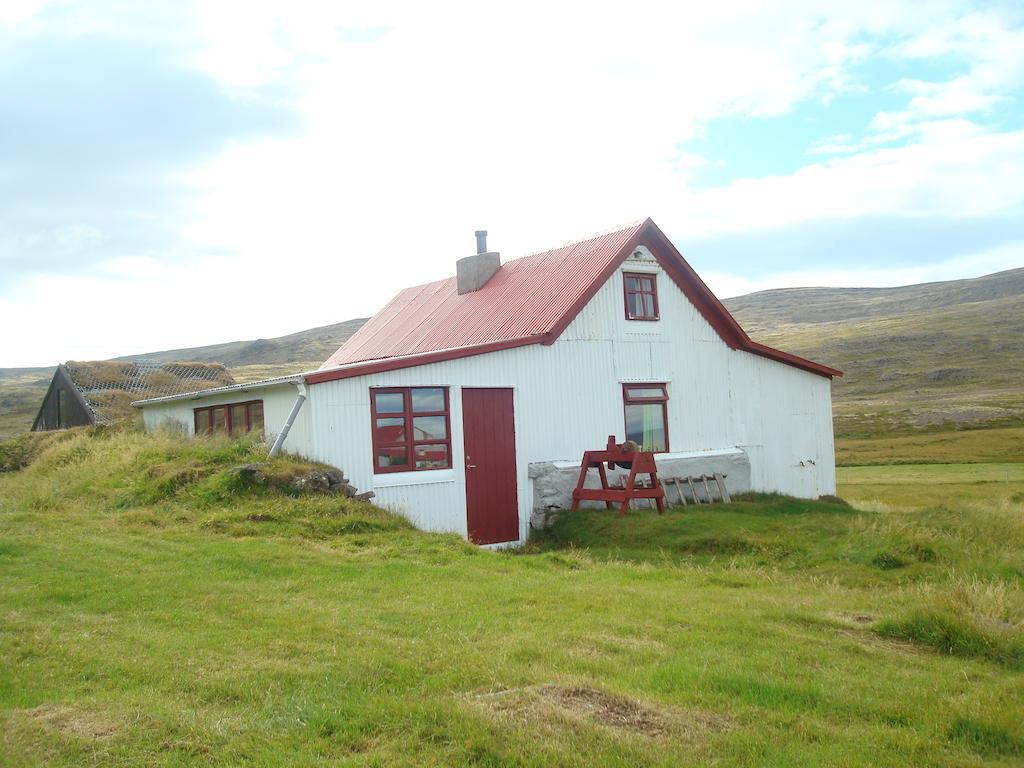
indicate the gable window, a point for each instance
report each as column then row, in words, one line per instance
column 410, row 429
column 641, row 295
column 231, row 418
column 646, row 407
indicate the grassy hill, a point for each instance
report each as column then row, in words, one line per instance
column 21, row 394
column 917, row 358
column 159, row 609
column 306, row 348
column 920, row 357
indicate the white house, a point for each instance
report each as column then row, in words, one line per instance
column 466, row 404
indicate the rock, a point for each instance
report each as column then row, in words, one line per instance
column 314, row 480
column 364, row 496
column 347, row 488
column 336, row 476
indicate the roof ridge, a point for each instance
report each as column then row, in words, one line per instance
column 572, row 241
column 594, row 236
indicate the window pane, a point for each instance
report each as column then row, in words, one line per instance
column 429, row 428
column 635, row 392
column 634, row 303
column 393, row 457
column 431, row 456
column 202, row 422
column 389, row 402
column 647, row 284
column 426, row 399
column 391, row 430
column 256, row 414
column 632, row 284
column 239, row 421
column 220, row 419
column 649, row 305
column 645, row 426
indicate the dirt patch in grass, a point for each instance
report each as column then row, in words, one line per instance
column 582, row 704
column 607, row 709
column 856, row 618
column 72, row 721
column 607, row 645
column 261, row 517
column 868, row 639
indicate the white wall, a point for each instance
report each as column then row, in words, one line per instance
column 277, row 404
column 568, row 397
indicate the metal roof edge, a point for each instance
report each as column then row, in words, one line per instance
column 294, row 378
column 382, row 364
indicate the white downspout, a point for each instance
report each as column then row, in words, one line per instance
column 279, row 440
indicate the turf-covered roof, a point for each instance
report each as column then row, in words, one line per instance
column 110, row 386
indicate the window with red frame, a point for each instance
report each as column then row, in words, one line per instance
column 646, row 407
column 410, row 429
column 232, row 418
column 641, row 295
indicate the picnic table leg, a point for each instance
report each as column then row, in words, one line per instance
column 581, row 482
column 604, row 483
column 630, row 486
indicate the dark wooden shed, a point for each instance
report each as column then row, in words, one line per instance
column 64, row 406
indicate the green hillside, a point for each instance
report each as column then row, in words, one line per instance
column 308, row 348
column 21, row 394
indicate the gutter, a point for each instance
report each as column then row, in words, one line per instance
column 300, row 388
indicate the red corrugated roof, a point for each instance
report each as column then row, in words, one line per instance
column 528, row 301
column 525, row 298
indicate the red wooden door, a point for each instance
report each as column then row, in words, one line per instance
column 489, row 436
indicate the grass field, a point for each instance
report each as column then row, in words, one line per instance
column 951, row 447
column 157, row 609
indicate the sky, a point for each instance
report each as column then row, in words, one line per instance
column 175, row 174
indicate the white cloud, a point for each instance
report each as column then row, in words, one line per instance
column 956, row 171
column 538, row 121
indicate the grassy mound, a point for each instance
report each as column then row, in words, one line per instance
column 826, row 537
column 167, row 480
column 968, row 617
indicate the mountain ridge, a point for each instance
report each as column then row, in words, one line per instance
column 938, row 355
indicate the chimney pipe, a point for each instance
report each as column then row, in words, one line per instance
column 481, row 240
